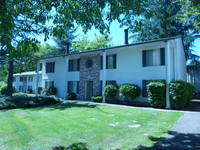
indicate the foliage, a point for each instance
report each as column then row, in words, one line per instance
column 157, row 93
column 50, row 91
column 97, row 98
column 130, row 91
column 71, row 96
column 160, row 21
column 180, row 94
column 22, row 101
column 84, row 44
column 19, row 25
column 3, row 89
column 110, row 91
column 40, row 90
column 20, row 94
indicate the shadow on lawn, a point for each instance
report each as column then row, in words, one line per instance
column 75, row 146
column 175, row 141
column 65, row 106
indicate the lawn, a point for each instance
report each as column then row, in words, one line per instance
column 85, row 126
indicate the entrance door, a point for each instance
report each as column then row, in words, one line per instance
column 89, row 90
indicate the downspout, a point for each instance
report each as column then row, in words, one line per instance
column 37, row 78
column 66, row 75
column 168, row 74
column 104, row 75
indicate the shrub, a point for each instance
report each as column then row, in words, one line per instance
column 180, row 94
column 157, row 94
column 110, row 91
column 50, row 91
column 130, row 91
column 3, row 89
column 71, row 96
column 97, row 98
column 40, row 90
column 19, row 94
column 30, row 91
column 26, row 102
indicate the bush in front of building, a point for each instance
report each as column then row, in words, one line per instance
column 7, row 102
column 157, row 94
column 110, row 91
column 97, row 99
column 19, row 94
column 71, row 96
column 3, row 89
column 180, row 94
column 130, row 91
column 40, row 90
column 50, row 91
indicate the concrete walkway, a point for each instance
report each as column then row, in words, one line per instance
column 185, row 135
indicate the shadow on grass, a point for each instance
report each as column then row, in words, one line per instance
column 174, row 141
column 65, row 106
column 75, row 146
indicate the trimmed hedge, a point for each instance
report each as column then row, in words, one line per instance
column 157, row 94
column 50, row 91
column 110, row 91
column 71, row 96
column 130, row 91
column 19, row 94
column 97, row 99
column 7, row 102
column 180, row 94
column 3, row 89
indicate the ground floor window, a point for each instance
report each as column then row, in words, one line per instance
column 73, row 87
column 49, row 84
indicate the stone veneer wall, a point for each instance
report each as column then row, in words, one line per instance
column 89, row 74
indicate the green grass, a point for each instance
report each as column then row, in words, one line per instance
column 83, row 125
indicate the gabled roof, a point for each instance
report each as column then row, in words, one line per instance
column 27, row 73
column 114, row 47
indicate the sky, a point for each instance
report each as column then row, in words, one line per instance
column 117, row 35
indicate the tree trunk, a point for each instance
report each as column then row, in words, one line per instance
column 10, row 79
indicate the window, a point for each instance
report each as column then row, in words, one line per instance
column 49, row 84
column 14, row 79
column 30, row 78
column 111, row 61
column 74, row 65
column 154, row 57
column 22, row 79
column 29, row 87
column 111, row 82
column 50, row 67
column 73, row 87
column 20, row 88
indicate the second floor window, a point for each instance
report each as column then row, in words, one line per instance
column 30, row 78
column 22, row 79
column 50, row 67
column 74, row 65
column 154, row 57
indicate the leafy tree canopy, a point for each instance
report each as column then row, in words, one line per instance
column 85, row 44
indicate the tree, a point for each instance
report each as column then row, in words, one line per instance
column 84, row 44
column 160, row 21
column 20, row 21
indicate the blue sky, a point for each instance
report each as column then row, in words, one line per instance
column 117, row 35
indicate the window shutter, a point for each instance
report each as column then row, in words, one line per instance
column 101, row 62
column 114, row 61
column 162, row 56
column 144, row 58
column 69, row 65
column 106, row 62
column 47, row 67
column 144, row 88
column 101, row 86
column 77, row 88
column 78, row 64
column 53, row 70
